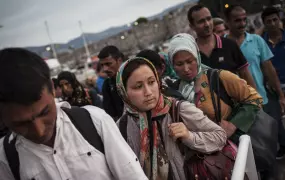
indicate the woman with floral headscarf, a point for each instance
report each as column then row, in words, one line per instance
column 150, row 130
column 194, row 85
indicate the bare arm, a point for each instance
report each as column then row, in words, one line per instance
column 271, row 75
column 245, row 74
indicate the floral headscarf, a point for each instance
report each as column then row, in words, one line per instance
column 153, row 159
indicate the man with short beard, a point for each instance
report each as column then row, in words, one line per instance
column 110, row 60
column 217, row 52
column 259, row 56
column 256, row 52
column 275, row 39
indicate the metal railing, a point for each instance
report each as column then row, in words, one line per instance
column 244, row 161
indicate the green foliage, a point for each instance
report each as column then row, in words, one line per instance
column 142, row 20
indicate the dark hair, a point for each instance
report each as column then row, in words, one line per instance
column 111, row 51
column 55, row 83
column 251, row 29
column 69, row 77
column 131, row 67
column 23, row 76
column 153, row 57
column 230, row 9
column 193, row 9
column 79, row 96
column 269, row 11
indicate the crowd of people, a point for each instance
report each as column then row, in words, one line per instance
column 157, row 116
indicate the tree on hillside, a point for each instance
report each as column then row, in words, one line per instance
column 142, row 20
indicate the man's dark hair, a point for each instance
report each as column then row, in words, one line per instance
column 269, row 11
column 152, row 56
column 23, row 76
column 193, row 9
column 230, row 9
column 112, row 51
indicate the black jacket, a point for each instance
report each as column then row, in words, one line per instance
column 96, row 99
column 112, row 102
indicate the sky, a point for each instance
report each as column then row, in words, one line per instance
column 23, row 21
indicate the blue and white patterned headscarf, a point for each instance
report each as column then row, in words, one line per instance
column 186, row 42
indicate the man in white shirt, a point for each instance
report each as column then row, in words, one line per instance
column 49, row 145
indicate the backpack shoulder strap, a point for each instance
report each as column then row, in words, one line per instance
column 215, row 87
column 81, row 119
column 123, row 123
column 216, row 82
column 12, row 156
column 175, row 117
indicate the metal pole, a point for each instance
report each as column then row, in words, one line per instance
column 51, row 42
column 86, row 49
column 244, row 162
column 84, row 41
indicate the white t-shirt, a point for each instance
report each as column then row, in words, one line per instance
column 72, row 157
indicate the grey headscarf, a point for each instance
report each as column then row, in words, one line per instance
column 186, row 42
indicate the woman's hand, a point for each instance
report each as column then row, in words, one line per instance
column 178, row 130
column 228, row 127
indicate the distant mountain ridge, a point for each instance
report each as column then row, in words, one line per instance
column 95, row 37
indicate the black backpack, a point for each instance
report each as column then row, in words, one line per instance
column 217, row 86
column 80, row 118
